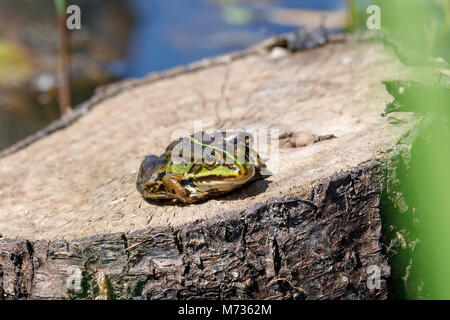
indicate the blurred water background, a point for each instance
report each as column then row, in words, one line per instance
column 119, row 39
column 171, row 32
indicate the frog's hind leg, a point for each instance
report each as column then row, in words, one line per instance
column 261, row 171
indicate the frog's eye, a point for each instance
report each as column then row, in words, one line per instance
column 210, row 159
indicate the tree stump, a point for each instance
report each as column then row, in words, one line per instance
column 73, row 225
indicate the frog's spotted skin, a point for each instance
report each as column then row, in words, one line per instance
column 199, row 167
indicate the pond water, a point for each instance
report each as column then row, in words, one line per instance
column 174, row 32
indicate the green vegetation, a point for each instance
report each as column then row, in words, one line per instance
column 417, row 207
column 60, row 6
column 15, row 65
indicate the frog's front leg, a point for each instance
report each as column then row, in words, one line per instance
column 153, row 190
column 173, row 185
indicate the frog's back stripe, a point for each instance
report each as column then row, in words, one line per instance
column 213, row 147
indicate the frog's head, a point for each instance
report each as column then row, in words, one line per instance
column 210, row 163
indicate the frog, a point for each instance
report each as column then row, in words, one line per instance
column 199, row 167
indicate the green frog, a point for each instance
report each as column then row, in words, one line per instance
column 199, row 167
